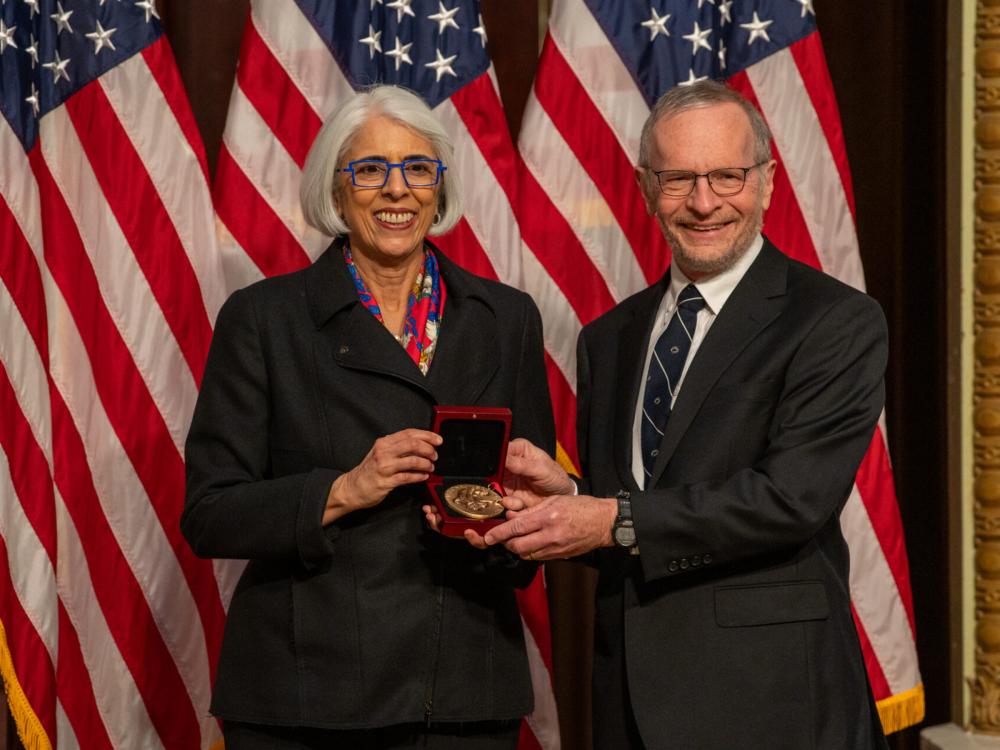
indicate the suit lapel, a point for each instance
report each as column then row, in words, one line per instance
column 467, row 357
column 632, row 347
column 755, row 302
column 355, row 337
column 462, row 366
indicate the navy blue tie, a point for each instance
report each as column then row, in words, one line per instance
column 665, row 369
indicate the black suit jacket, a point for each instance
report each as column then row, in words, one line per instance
column 732, row 628
column 373, row 620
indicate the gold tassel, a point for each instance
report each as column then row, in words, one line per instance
column 902, row 710
column 29, row 728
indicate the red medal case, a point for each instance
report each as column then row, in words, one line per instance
column 474, row 452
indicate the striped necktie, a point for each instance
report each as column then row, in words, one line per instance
column 665, row 369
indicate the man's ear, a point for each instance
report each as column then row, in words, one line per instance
column 643, row 177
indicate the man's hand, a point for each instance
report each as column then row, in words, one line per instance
column 558, row 527
column 434, row 520
column 532, row 475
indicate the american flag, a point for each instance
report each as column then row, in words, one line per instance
column 299, row 60
column 109, row 283
column 589, row 242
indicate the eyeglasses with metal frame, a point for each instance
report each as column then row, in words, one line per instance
column 724, row 182
column 374, row 173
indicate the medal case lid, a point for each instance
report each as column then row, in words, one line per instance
column 474, row 451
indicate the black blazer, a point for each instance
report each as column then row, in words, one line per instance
column 732, row 628
column 373, row 620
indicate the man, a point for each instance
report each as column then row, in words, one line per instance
column 728, row 407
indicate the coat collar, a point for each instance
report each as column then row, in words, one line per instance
column 755, row 302
column 465, row 360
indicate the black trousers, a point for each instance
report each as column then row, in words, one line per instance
column 478, row 735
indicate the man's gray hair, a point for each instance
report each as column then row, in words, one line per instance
column 334, row 139
column 703, row 94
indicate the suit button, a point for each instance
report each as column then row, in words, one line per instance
column 672, row 567
column 706, row 558
column 655, row 452
column 656, row 400
column 695, row 561
column 345, row 349
column 684, row 563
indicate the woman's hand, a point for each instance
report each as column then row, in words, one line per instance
column 403, row 457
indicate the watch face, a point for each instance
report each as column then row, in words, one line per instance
column 624, row 536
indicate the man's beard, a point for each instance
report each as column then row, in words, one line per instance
column 691, row 263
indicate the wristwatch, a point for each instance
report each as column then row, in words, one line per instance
column 623, row 531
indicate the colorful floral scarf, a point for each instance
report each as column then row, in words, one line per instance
column 423, row 309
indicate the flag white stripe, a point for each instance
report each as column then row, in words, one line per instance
column 610, row 85
column 134, row 524
column 807, row 159
column 31, row 572
column 271, row 169
column 26, row 372
column 67, row 737
column 118, row 700
column 557, row 170
column 561, row 325
column 237, row 267
column 173, row 167
column 19, row 189
column 876, row 599
column 544, row 720
column 487, row 209
column 302, row 53
column 124, row 288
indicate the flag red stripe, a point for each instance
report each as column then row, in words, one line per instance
column 527, row 739
column 544, row 229
column 877, row 490
column 265, row 83
column 462, row 247
column 76, row 694
column 876, row 677
column 29, row 469
column 124, row 396
column 564, row 409
column 252, row 221
column 784, row 223
column 159, row 58
column 118, row 593
column 595, row 146
column 533, row 603
column 811, row 62
column 32, row 664
column 480, row 108
column 148, row 229
column 23, row 279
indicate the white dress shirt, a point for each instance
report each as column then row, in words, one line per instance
column 716, row 290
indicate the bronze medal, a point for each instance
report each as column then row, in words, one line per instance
column 473, row 501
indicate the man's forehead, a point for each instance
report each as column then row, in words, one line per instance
column 719, row 128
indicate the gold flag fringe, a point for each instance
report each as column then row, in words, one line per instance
column 902, row 710
column 29, row 728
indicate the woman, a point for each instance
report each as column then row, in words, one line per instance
column 355, row 625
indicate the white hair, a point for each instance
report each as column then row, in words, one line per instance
column 316, row 192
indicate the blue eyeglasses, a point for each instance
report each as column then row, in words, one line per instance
column 374, row 173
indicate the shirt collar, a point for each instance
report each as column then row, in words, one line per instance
column 716, row 289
